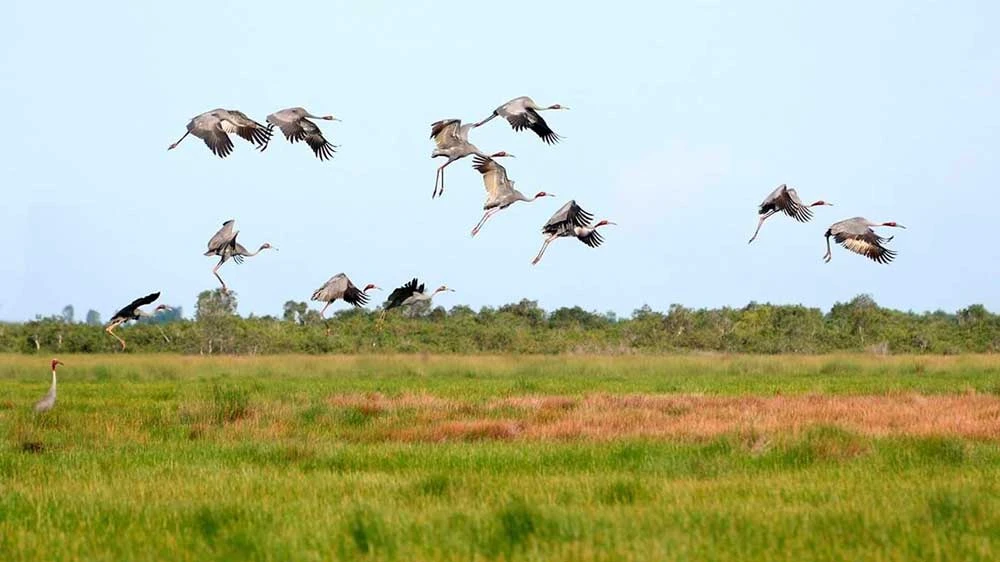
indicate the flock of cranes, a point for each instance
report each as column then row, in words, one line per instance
column 855, row 234
column 451, row 138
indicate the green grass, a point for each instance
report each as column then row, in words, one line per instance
column 163, row 457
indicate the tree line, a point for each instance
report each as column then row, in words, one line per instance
column 523, row 327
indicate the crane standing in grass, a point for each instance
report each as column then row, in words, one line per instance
column 856, row 235
column 133, row 312
column 500, row 192
column 522, row 113
column 49, row 400
column 784, row 200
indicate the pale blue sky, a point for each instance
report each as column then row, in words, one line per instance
column 684, row 116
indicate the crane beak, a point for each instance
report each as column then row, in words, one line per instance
column 900, row 226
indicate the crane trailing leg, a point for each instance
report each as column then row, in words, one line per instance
column 173, row 146
column 542, row 251
column 760, row 223
column 110, row 329
column 484, row 121
column 215, row 272
column 829, row 254
column 486, row 217
column 439, row 180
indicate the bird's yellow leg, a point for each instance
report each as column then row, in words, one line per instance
column 110, row 329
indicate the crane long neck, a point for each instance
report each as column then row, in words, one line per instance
column 53, row 387
column 255, row 253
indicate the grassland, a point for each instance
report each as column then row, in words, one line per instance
column 152, row 457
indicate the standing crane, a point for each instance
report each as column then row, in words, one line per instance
column 409, row 294
column 571, row 220
column 857, row 236
column 522, row 113
column 133, row 312
column 786, row 201
column 49, row 400
column 213, row 125
column 340, row 287
column 224, row 245
column 500, row 192
column 452, row 140
column 296, row 126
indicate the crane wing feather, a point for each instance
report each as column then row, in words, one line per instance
column 592, row 238
column 445, row 132
column 400, row 294
column 498, row 185
column 568, row 216
column 868, row 244
column 288, row 123
column 530, row 119
column 221, row 238
column 333, row 289
column 128, row 311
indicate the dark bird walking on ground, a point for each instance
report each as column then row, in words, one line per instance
column 784, row 200
column 133, row 312
column 856, row 235
column 571, row 220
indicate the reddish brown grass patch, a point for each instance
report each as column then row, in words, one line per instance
column 608, row 417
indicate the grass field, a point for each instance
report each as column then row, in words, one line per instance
column 502, row 458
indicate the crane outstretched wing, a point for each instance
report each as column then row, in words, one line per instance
column 221, row 238
column 530, row 119
column 568, row 216
column 354, row 295
column 445, row 132
column 498, row 185
column 288, row 123
column 868, row 244
column 248, row 129
column 791, row 205
column 592, row 239
column 786, row 201
column 209, row 129
column 314, row 138
column 397, row 296
column 333, row 289
column 128, row 311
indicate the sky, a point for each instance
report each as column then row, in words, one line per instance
column 684, row 116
